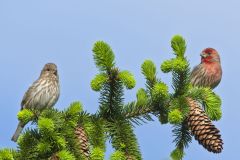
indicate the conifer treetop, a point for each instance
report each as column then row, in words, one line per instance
column 54, row 134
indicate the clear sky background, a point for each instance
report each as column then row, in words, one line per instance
column 33, row 33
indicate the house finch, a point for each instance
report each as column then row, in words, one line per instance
column 209, row 72
column 42, row 94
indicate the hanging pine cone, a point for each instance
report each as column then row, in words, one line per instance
column 83, row 141
column 203, row 129
column 129, row 157
column 54, row 157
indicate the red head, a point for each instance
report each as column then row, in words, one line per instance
column 210, row 55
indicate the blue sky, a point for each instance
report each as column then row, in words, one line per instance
column 33, row 33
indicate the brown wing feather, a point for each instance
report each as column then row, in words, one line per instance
column 27, row 96
column 204, row 75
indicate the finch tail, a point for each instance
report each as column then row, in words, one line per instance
column 17, row 132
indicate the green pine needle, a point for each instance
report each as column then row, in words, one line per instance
column 182, row 135
column 45, row 125
column 142, row 97
column 65, row 155
column 103, row 56
column 176, row 64
column 149, row 70
column 179, row 65
column 178, row 45
column 74, row 108
column 118, row 155
column 6, row 154
column 175, row 117
column 95, row 130
column 167, row 66
column 211, row 101
column 213, row 105
column 55, row 133
column 123, row 138
column 98, row 81
column 97, row 154
column 25, row 115
column 128, row 79
column 180, row 103
column 137, row 113
column 160, row 91
column 177, row 154
column 60, row 142
column 44, row 147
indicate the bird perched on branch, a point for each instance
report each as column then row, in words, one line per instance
column 207, row 74
column 42, row 94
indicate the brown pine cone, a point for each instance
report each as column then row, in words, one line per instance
column 54, row 157
column 83, row 141
column 203, row 129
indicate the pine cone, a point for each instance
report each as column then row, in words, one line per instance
column 83, row 141
column 54, row 157
column 203, row 129
column 128, row 157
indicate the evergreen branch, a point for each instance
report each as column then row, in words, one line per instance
column 103, row 56
column 182, row 135
column 178, row 45
column 136, row 113
column 181, row 81
column 27, row 145
column 97, row 154
column 65, row 154
column 182, row 140
column 157, row 92
column 179, row 66
column 181, row 104
column 7, row 154
column 111, row 100
column 149, row 71
column 142, row 97
column 175, row 116
column 118, row 155
column 177, row 154
column 95, row 130
column 127, row 79
column 98, row 81
column 74, row 134
column 210, row 101
column 123, row 139
column 160, row 92
column 55, row 134
column 25, row 116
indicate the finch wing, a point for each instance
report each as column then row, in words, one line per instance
column 28, row 95
column 194, row 77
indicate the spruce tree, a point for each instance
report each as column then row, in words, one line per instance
column 76, row 134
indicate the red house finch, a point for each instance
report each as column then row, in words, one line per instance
column 209, row 72
column 43, row 93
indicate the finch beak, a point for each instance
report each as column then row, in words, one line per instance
column 203, row 55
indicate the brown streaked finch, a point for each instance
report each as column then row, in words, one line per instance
column 42, row 94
